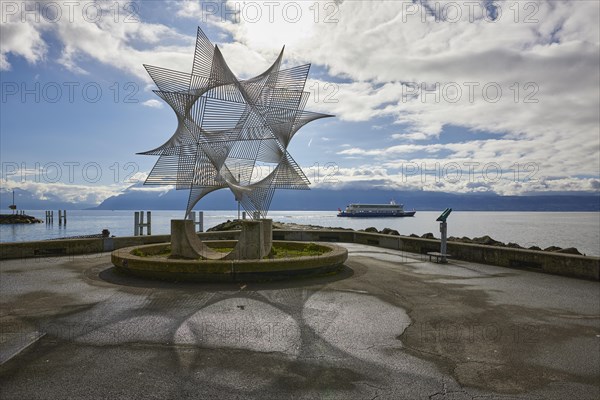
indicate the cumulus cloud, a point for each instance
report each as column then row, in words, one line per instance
column 118, row 37
column 21, row 39
column 531, row 75
column 88, row 194
column 452, row 176
column 153, row 103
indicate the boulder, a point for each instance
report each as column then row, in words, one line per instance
column 552, row 248
column 18, row 219
column 486, row 240
column 371, row 230
column 428, row 235
column 227, row 226
column 463, row 239
column 569, row 250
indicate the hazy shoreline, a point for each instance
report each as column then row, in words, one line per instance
column 543, row 229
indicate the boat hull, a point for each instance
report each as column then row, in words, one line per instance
column 376, row 215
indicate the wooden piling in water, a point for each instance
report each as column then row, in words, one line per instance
column 198, row 223
column 138, row 223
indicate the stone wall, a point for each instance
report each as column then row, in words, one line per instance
column 577, row 266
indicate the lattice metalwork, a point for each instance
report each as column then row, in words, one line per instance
column 231, row 133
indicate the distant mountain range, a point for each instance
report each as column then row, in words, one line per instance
column 321, row 199
column 26, row 200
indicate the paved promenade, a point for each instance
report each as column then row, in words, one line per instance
column 391, row 326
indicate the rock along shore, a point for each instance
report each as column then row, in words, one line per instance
column 18, row 219
column 485, row 240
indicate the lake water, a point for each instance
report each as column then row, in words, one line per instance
column 543, row 229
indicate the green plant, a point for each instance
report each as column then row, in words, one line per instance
column 222, row 249
column 312, row 247
column 138, row 253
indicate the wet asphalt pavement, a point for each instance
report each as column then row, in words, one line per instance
column 390, row 326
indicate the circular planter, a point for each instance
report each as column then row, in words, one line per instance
column 163, row 268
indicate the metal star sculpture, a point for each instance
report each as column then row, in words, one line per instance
column 229, row 129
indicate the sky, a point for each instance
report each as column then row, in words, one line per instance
column 452, row 96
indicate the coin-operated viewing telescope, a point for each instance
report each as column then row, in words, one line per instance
column 443, row 230
column 444, row 215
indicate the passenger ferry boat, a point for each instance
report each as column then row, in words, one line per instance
column 375, row 210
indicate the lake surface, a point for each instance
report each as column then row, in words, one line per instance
column 564, row 229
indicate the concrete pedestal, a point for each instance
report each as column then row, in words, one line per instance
column 185, row 243
column 250, row 243
column 255, row 242
column 267, row 236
